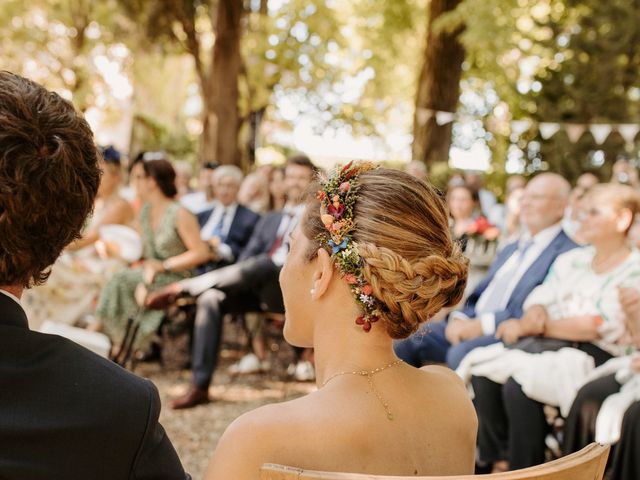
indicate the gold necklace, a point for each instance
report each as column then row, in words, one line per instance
column 369, row 374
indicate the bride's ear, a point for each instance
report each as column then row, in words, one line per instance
column 323, row 274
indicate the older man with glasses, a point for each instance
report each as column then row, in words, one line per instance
column 518, row 269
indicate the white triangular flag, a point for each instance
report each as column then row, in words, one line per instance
column 423, row 115
column 518, row 127
column 574, row 131
column 600, row 131
column 442, row 118
column 548, row 130
column 628, row 131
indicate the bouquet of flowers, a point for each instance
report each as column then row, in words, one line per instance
column 482, row 242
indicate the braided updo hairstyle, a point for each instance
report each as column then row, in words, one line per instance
column 410, row 260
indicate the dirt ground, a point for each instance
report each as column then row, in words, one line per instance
column 195, row 432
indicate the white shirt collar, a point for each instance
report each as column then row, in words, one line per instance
column 11, row 296
column 544, row 237
column 293, row 209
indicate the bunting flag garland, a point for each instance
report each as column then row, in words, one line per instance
column 442, row 118
column 518, row 127
column 548, row 130
column 600, row 132
column 574, row 131
column 628, row 131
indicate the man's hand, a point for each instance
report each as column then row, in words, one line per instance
column 454, row 329
column 471, row 329
column 630, row 301
column 213, row 244
column 510, row 330
column 533, row 320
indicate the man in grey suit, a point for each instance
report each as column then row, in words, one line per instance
column 65, row 413
column 249, row 285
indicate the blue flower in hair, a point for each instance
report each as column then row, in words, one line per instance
column 335, row 247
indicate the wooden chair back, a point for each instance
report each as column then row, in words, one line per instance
column 587, row 464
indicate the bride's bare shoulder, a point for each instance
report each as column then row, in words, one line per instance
column 442, row 374
column 255, row 438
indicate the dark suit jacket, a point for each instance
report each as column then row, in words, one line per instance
column 533, row 277
column 240, row 229
column 66, row 413
column 264, row 236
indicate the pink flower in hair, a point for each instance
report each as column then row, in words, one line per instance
column 344, row 187
column 351, row 279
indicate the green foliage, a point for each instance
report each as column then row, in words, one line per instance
column 54, row 42
column 555, row 61
column 149, row 134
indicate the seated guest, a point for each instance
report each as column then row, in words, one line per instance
column 203, row 198
column 277, row 189
column 577, row 306
column 464, row 209
column 517, row 270
column 65, row 413
column 621, row 416
column 254, row 192
column 249, row 285
column 172, row 248
column 372, row 279
column 184, row 172
column 78, row 276
column 487, row 198
column 228, row 226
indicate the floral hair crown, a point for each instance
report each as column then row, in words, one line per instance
column 338, row 195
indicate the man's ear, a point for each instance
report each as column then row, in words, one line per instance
column 624, row 220
column 323, row 274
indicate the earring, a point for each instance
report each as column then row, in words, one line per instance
column 312, row 291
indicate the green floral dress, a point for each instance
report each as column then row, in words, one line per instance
column 117, row 301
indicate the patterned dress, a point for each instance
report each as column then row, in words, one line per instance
column 117, row 302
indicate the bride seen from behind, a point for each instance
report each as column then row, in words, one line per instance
column 371, row 260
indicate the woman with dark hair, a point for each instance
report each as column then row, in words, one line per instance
column 172, row 247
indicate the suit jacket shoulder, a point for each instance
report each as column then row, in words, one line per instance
column 264, row 235
column 72, row 414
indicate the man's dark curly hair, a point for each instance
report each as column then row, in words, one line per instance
column 49, row 176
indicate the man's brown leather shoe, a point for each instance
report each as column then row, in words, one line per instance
column 164, row 297
column 195, row 396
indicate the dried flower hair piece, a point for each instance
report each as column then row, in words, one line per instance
column 337, row 197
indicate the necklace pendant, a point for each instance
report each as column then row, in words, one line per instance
column 390, row 416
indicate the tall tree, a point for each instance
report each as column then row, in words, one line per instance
column 221, row 95
column 192, row 25
column 438, row 86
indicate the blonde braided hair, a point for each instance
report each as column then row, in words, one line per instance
column 408, row 255
column 412, row 292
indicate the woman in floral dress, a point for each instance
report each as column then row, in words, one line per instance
column 172, row 247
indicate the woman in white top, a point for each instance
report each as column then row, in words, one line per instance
column 576, row 306
column 370, row 265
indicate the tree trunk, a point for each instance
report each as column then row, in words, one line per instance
column 221, row 119
column 438, row 87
